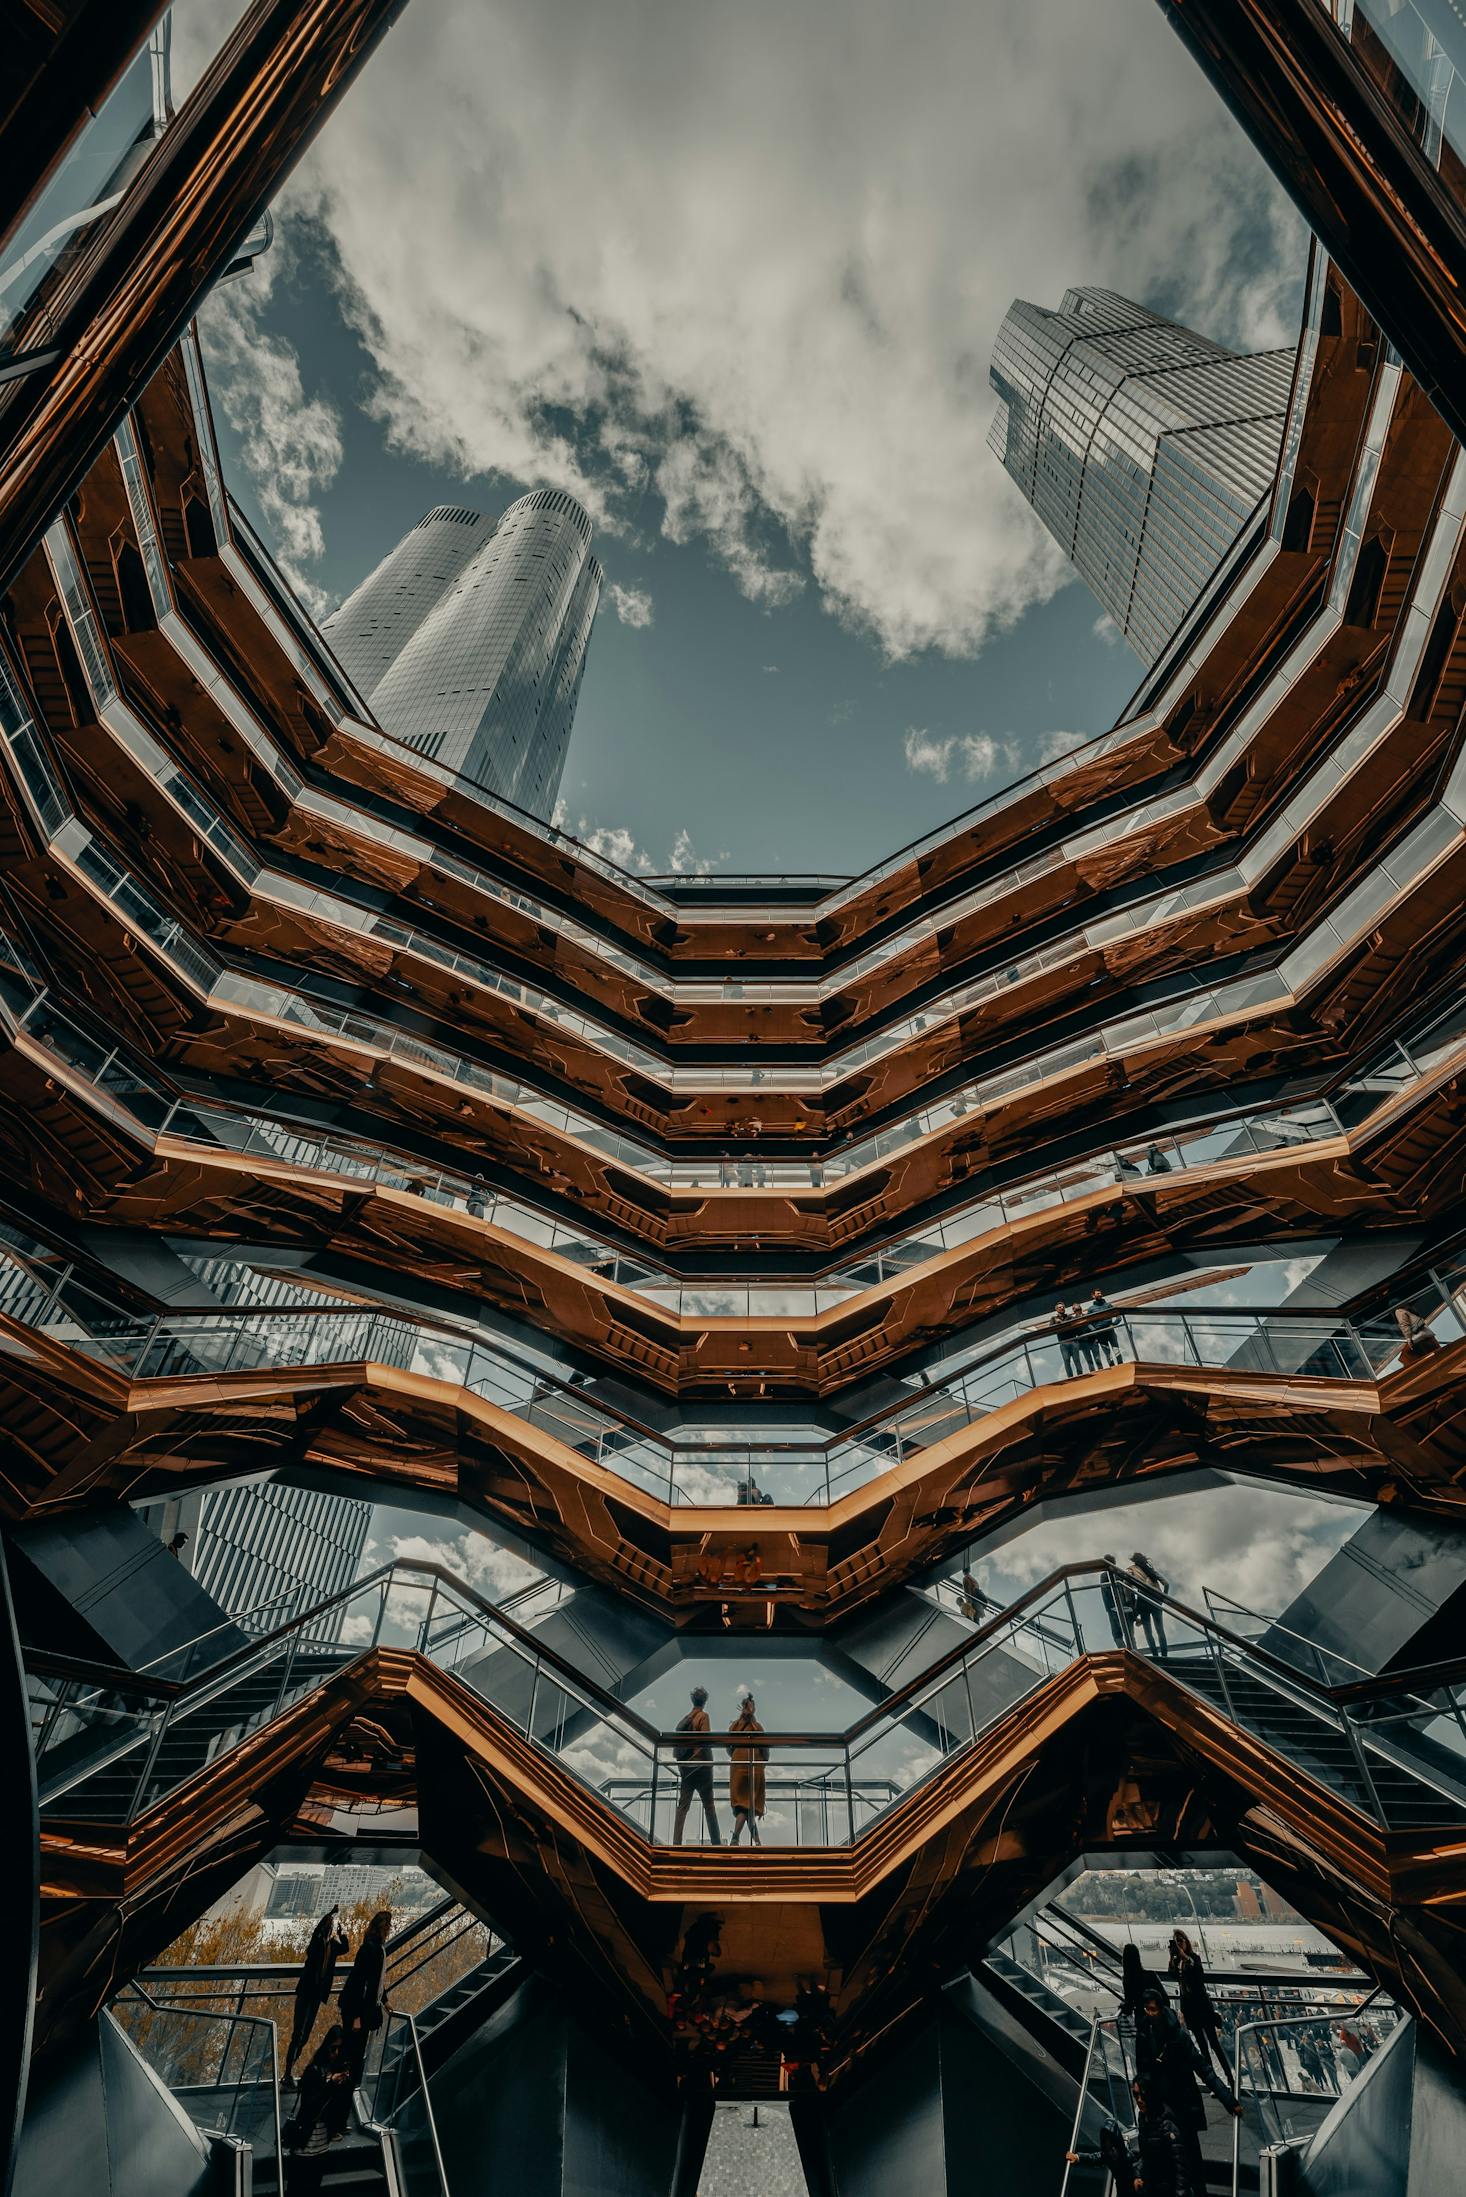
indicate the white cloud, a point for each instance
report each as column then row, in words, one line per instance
column 1260, row 1550
column 495, row 1571
column 737, row 271
column 970, row 754
column 1052, row 745
column 632, row 605
column 616, row 843
column 290, row 442
column 1105, row 629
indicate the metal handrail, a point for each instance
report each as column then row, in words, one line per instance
column 603, row 1418
column 1080, row 2104
column 592, row 1694
column 252, row 2021
column 1292, row 2021
column 425, row 2093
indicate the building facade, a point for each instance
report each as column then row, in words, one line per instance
column 470, row 645
column 1142, row 446
column 379, row 618
column 267, row 1553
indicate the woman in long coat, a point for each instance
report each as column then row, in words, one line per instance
column 746, row 1779
column 363, row 2000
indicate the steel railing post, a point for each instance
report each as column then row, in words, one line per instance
column 1080, row 2103
column 140, row 1789
column 1357, row 1749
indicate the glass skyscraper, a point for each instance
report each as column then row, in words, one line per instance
column 1141, row 445
column 470, row 644
column 379, row 618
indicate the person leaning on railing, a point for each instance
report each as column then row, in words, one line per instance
column 1417, row 1339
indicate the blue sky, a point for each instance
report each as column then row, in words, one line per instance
column 733, row 275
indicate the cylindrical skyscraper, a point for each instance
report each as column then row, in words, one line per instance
column 1141, row 445
column 488, row 682
column 379, row 618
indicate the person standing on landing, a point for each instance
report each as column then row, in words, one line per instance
column 746, row 1780
column 313, row 1988
column 1143, row 1605
column 694, row 1758
column 363, row 1999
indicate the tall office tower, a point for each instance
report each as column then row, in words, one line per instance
column 379, row 618
column 1141, row 445
column 471, row 648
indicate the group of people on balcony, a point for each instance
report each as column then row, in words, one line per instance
column 1088, row 1334
column 323, row 2102
column 694, row 1758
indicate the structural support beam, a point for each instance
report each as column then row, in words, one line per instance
column 54, row 94
column 151, row 264
column 1343, row 155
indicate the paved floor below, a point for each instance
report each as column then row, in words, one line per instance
column 752, row 2153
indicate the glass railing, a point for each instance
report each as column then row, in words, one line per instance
column 89, row 181
column 1102, row 2102
column 1208, row 1144
column 1423, row 848
column 222, row 2068
column 1289, row 2070
column 723, row 1466
column 205, row 973
column 1375, row 1747
column 425, row 1960
column 1414, row 52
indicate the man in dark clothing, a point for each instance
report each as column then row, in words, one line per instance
column 695, row 1765
column 313, row 1987
column 1155, row 2165
column 1142, row 1603
column 1100, row 1314
column 1169, row 2067
column 1116, row 1598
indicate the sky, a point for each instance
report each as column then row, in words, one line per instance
column 732, row 273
